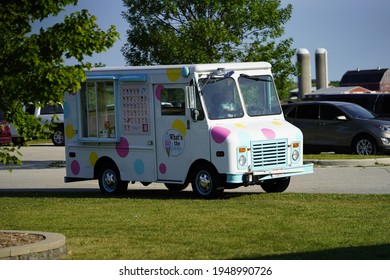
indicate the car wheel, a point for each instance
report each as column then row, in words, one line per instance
column 176, row 187
column 207, row 182
column 110, row 181
column 275, row 185
column 364, row 145
column 58, row 137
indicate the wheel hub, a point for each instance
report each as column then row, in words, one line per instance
column 204, row 181
column 364, row 147
column 109, row 180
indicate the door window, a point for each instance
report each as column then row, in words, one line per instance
column 330, row 113
column 307, row 112
column 172, row 102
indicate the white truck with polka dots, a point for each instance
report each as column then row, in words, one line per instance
column 216, row 126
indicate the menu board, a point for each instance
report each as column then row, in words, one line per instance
column 135, row 109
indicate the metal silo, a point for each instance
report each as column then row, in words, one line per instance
column 321, row 57
column 304, row 76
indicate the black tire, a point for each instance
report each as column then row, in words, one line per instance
column 176, row 187
column 364, row 145
column 275, row 185
column 110, row 181
column 207, row 182
column 58, row 137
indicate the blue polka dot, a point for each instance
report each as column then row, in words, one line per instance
column 66, row 110
column 243, row 138
column 139, row 167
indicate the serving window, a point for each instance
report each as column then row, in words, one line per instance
column 98, row 110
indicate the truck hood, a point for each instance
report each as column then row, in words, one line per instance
column 244, row 131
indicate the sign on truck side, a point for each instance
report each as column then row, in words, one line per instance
column 216, row 126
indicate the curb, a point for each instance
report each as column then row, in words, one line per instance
column 351, row 162
column 51, row 248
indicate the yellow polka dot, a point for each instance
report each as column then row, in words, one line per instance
column 69, row 131
column 240, row 125
column 173, row 74
column 276, row 123
column 180, row 126
column 93, row 157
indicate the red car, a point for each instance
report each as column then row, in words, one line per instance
column 5, row 131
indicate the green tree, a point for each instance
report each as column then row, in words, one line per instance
column 207, row 31
column 33, row 68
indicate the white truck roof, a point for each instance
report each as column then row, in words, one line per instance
column 192, row 67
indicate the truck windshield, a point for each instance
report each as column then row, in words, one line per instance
column 259, row 95
column 222, row 99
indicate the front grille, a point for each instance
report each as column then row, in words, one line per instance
column 269, row 153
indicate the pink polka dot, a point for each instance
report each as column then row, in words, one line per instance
column 219, row 134
column 75, row 167
column 268, row 133
column 159, row 88
column 162, row 168
column 122, row 148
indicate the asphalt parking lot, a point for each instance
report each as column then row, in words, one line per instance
column 43, row 170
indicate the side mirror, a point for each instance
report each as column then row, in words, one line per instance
column 341, row 118
column 191, row 102
column 194, row 114
column 191, row 97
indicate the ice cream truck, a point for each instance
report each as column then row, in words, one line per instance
column 216, row 126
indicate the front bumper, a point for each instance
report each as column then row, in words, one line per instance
column 254, row 178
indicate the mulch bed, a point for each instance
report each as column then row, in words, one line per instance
column 10, row 239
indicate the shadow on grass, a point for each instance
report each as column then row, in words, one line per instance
column 130, row 194
column 372, row 252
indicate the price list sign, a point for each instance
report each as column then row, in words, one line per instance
column 135, row 106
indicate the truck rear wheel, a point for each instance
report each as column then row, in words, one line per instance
column 207, row 182
column 110, row 181
column 275, row 185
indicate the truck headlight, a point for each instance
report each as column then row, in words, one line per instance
column 242, row 160
column 295, row 155
column 242, row 153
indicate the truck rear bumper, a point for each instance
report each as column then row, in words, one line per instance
column 253, row 178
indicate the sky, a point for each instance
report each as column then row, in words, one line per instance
column 354, row 33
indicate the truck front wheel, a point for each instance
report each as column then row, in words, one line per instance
column 275, row 185
column 207, row 182
column 110, row 181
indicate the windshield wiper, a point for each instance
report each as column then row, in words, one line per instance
column 255, row 78
column 216, row 76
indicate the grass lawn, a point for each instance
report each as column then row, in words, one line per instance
column 165, row 226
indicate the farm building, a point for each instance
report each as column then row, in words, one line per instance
column 372, row 79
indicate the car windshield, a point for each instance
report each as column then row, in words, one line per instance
column 357, row 112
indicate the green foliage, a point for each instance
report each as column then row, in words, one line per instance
column 33, row 66
column 207, row 31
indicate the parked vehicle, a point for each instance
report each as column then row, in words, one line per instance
column 164, row 124
column 378, row 103
column 339, row 127
column 46, row 115
column 5, row 130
